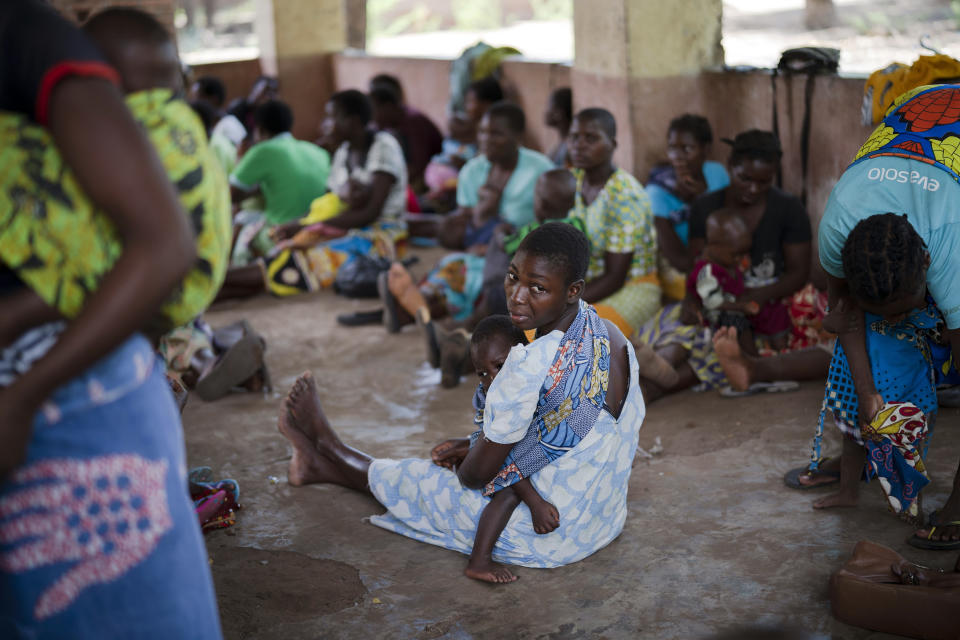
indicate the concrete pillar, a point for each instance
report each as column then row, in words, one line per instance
column 627, row 51
column 299, row 49
column 356, row 24
column 80, row 10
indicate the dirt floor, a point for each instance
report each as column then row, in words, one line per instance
column 713, row 538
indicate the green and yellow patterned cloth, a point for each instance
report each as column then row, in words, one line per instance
column 60, row 246
column 620, row 220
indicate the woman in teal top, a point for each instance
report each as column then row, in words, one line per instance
column 674, row 186
column 496, row 186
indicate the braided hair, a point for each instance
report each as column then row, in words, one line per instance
column 883, row 257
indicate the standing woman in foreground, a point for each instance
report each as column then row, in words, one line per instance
column 99, row 538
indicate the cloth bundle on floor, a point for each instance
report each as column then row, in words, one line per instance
column 216, row 503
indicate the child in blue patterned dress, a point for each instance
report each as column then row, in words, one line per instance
column 489, row 346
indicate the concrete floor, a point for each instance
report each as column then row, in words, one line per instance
column 713, row 538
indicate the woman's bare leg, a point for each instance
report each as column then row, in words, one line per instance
column 405, row 290
column 742, row 370
column 242, row 282
column 319, row 456
column 851, row 467
column 651, row 391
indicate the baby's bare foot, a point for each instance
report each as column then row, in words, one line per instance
column 736, row 366
column 487, row 570
column 838, row 499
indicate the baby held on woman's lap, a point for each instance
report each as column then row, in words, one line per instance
column 490, row 345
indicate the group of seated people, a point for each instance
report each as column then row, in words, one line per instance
column 706, row 270
column 576, row 294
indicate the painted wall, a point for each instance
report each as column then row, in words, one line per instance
column 735, row 102
column 237, row 76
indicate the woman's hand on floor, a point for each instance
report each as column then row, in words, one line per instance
column 450, row 453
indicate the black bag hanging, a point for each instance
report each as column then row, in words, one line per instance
column 811, row 62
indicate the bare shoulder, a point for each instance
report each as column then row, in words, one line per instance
column 619, row 370
column 618, row 342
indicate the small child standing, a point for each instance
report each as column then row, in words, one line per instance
column 717, row 284
column 489, row 347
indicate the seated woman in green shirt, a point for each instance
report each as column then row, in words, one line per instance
column 287, row 172
column 368, row 223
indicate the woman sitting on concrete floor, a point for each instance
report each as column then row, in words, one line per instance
column 367, row 183
column 418, row 136
column 497, row 185
column 672, row 188
column 427, row 501
column 459, row 147
column 622, row 280
column 780, row 264
column 288, row 173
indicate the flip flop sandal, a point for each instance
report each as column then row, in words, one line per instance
column 935, row 545
column 360, row 318
column 391, row 313
column 792, row 478
column 267, row 380
column 240, row 362
column 780, row 386
column 199, row 475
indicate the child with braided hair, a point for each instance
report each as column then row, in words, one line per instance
column 886, row 263
column 889, row 242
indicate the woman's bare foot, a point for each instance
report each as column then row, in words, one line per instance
column 839, row 499
column 302, row 422
column 948, row 531
column 736, row 366
column 401, row 285
column 486, row 570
